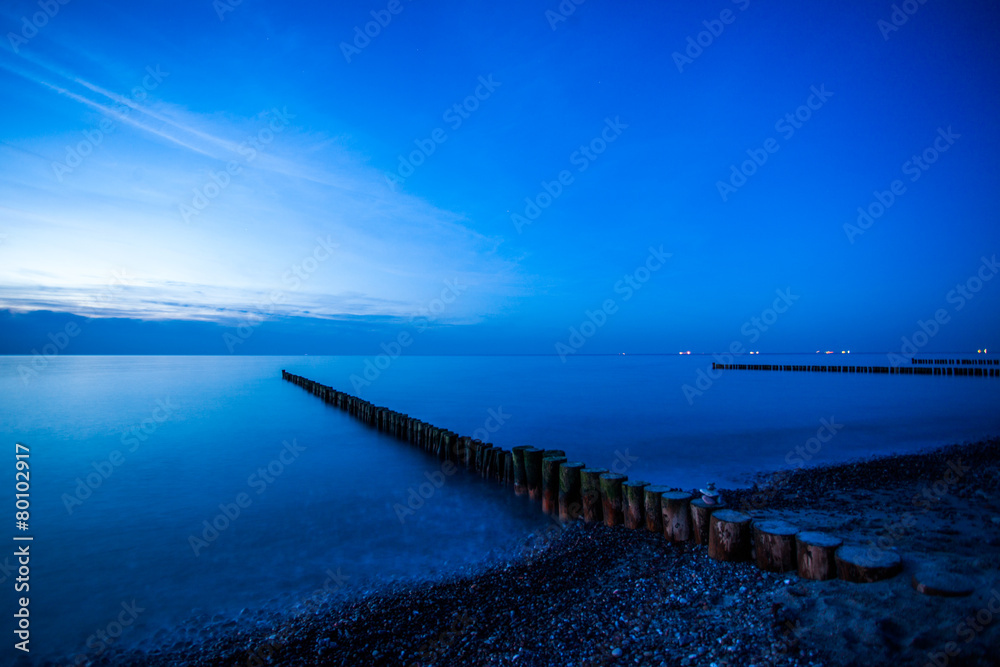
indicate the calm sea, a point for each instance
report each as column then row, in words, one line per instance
column 167, row 489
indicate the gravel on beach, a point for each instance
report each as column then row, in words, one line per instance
column 592, row 595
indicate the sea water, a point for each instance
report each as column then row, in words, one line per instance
column 164, row 489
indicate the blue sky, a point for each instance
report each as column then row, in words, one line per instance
column 260, row 176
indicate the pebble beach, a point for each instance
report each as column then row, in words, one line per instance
column 584, row 594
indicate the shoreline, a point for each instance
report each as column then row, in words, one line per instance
column 594, row 595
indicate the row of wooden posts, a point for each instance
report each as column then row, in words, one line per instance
column 572, row 491
column 982, row 361
column 886, row 370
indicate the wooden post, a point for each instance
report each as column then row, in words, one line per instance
column 729, row 536
column 502, row 456
column 815, row 552
column 654, row 517
column 590, row 494
column 508, row 469
column 634, row 504
column 611, row 498
column 774, row 542
column 550, row 483
column 520, row 475
column 860, row 565
column 701, row 514
column 464, row 449
column 675, row 506
column 484, row 458
column 570, row 504
column 533, row 472
column 477, row 446
column 490, row 464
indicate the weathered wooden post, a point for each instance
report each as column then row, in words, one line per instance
column 508, row 470
column 611, row 498
column 490, row 465
column 864, row 566
column 474, row 455
column 701, row 514
column 815, row 552
column 502, row 456
column 634, row 503
column 520, row 474
column 590, row 494
column 462, row 454
column 774, row 542
column 729, row 536
column 570, row 503
column 654, row 517
column 484, row 458
column 675, row 506
column 550, row 483
column 533, row 472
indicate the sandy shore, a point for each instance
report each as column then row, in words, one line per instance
column 590, row 595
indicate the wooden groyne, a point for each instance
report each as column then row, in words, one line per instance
column 952, row 367
column 570, row 491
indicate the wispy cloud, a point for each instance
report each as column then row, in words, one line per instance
column 121, row 207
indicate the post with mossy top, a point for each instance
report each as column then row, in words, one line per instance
column 590, row 494
column 570, row 503
column 520, row 474
column 654, row 517
column 533, row 472
column 611, row 498
column 550, row 483
column 633, row 498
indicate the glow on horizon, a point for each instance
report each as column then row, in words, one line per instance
column 122, row 205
